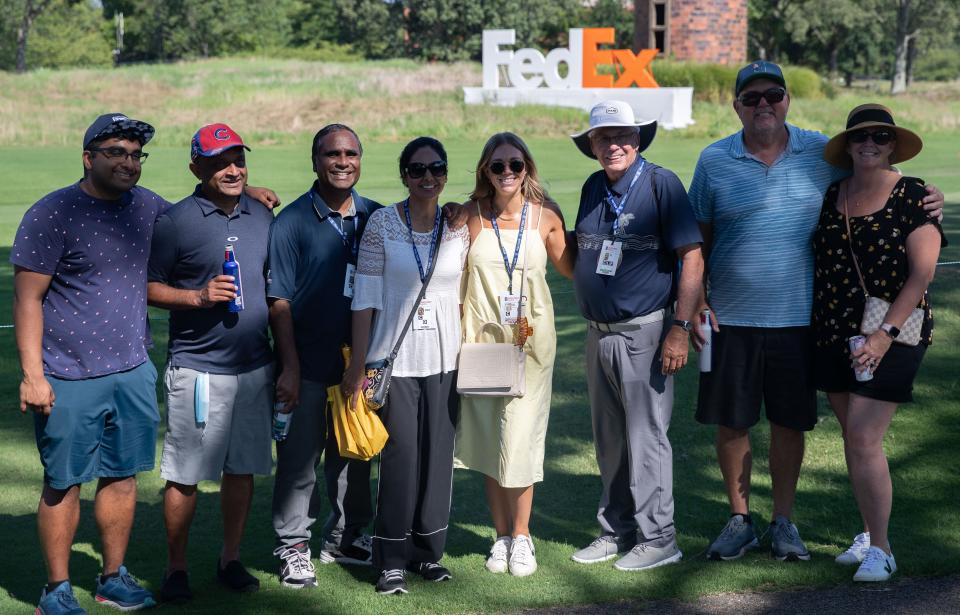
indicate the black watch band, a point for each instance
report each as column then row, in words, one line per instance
column 686, row 325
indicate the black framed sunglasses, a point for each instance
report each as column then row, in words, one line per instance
column 416, row 170
column 772, row 96
column 880, row 137
column 498, row 167
column 112, row 153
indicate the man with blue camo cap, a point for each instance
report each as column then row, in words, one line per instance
column 80, row 311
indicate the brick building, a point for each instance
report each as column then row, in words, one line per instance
column 696, row 30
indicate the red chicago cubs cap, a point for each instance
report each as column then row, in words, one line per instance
column 213, row 140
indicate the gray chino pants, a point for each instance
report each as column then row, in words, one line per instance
column 296, row 500
column 631, row 403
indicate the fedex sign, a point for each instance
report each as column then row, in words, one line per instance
column 529, row 68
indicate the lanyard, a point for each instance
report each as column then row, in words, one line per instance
column 617, row 207
column 516, row 251
column 433, row 239
column 355, row 248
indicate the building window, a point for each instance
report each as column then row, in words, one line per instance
column 653, row 25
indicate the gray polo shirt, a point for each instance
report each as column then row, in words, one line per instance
column 308, row 263
column 188, row 247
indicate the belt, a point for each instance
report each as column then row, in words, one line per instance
column 632, row 324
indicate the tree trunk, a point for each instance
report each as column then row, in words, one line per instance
column 834, row 50
column 911, row 59
column 898, row 83
column 30, row 12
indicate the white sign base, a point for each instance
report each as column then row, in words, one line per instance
column 672, row 107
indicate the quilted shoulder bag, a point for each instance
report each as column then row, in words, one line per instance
column 376, row 384
column 875, row 309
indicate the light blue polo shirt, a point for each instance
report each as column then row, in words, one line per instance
column 763, row 218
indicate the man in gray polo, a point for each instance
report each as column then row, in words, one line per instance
column 633, row 226
column 219, row 376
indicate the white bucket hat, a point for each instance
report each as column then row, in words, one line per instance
column 614, row 113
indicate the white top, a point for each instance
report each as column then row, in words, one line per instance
column 388, row 281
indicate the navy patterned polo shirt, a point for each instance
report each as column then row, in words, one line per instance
column 95, row 312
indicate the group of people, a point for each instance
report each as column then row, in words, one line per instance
column 766, row 244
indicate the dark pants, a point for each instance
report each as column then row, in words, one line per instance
column 416, row 471
column 296, row 501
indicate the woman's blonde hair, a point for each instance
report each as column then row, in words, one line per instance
column 531, row 189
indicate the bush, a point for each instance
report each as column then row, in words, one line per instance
column 324, row 51
column 714, row 82
column 938, row 65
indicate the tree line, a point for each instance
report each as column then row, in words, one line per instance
column 845, row 39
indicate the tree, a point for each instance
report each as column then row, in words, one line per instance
column 31, row 10
column 766, row 32
column 914, row 17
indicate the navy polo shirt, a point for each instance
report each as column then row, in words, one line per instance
column 650, row 229
column 308, row 263
column 188, row 248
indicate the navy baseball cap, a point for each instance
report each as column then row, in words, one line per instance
column 761, row 69
column 111, row 124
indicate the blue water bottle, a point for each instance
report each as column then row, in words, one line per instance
column 232, row 267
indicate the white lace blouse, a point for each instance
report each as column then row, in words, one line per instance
column 388, row 281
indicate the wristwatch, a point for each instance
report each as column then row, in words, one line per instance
column 686, row 325
column 890, row 330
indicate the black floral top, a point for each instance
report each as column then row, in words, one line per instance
column 880, row 245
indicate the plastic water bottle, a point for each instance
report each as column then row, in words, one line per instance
column 232, row 267
column 706, row 353
column 281, row 422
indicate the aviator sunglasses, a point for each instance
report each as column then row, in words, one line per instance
column 416, row 170
column 772, row 96
column 499, row 167
column 880, row 137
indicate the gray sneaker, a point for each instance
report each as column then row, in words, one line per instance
column 737, row 538
column 642, row 557
column 600, row 550
column 785, row 543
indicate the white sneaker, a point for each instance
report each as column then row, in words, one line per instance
column 856, row 551
column 876, row 566
column 499, row 553
column 296, row 567
column 523, row 561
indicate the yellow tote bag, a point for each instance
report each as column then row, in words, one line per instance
column 359, row 431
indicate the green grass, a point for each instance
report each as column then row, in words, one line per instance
column 922, row 444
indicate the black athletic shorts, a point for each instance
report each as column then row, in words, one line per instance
column 759, row 365
column 892, row 380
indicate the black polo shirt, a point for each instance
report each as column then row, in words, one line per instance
column 308, row 263
column 187, row 251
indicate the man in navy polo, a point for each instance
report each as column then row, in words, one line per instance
column 633, row 226
column 313, row 255
column 219, row 376
column 80, row 310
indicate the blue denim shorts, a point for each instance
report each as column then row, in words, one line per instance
column 99, row 427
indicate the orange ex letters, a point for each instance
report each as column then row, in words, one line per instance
column 529, row 68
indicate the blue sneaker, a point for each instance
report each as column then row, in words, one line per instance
column 123, row 593
column 60, row 601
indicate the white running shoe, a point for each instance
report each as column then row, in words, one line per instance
column 296, row 567
column 856, row 551
column 523, row 561
column 499, row 554
column 876, row 566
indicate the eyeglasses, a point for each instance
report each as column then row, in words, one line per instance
column 620, row 138
column 772, row 96
column 416, row 170
column 880, row 137
column 498, row 167
column 112, row 153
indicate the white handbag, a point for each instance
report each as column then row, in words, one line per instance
column 495, row 369
column 492, row 369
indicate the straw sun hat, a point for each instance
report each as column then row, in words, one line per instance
column 907, row 145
